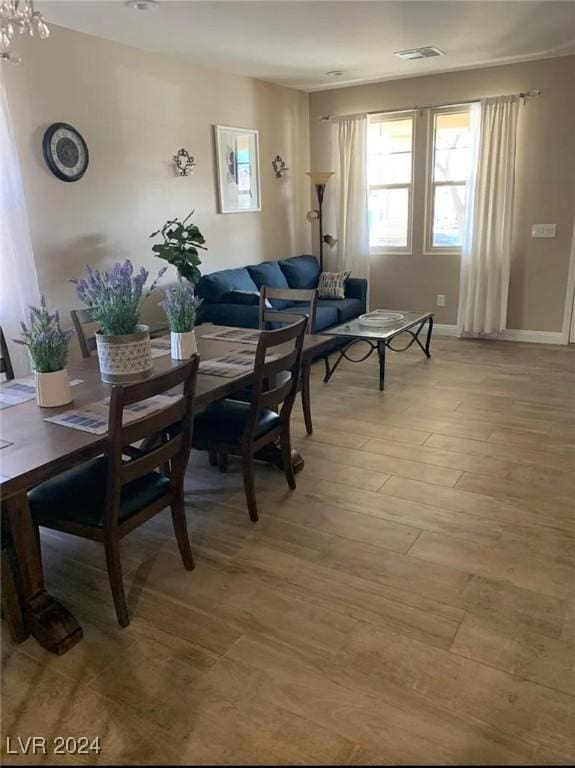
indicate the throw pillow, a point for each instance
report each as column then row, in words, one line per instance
column 332, row 285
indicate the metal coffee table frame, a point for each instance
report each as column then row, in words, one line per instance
column 414, row 329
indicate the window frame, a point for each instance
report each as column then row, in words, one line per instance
column 430, row 185
column 384, row 117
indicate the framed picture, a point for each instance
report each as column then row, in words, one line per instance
column 238, row 162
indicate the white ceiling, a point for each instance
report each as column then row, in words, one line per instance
column 294, row 42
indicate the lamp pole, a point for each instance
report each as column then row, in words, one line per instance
column 320, row 179
column 320, row 189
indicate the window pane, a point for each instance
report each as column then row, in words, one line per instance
column 388, row 217
column 448, row 212
column 389, row 151
column 451, row 146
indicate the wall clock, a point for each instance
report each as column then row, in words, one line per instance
column 65, row 152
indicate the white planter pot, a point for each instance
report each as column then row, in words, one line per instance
column 125, row 358
column 184, row 345
column 52, row 389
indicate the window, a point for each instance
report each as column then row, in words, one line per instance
column 389, row 178
column 418, row 189
column 450, row 155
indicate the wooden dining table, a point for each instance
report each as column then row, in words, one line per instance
column 35, row 450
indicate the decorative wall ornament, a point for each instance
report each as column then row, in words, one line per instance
column 184, row 162
column 238, row 166
column 279, row 166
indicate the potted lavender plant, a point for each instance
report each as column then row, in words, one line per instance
column 180, row 305
column 48, row 348
column 115, row 299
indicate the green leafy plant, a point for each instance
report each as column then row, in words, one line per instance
column 180, row 305
column 47, row 343
column 180, row 247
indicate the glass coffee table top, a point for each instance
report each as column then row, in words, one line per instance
column 356, row 330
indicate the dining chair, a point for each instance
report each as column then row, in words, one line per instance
column 82, row 318
column 237, row 428
column 5, row 361
column 108, row 497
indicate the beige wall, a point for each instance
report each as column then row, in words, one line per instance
column 545, row 188
column 135, row 110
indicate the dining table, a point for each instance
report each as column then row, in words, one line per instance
column 34, row 450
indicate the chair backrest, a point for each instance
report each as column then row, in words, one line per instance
column 80, row 318
column 5, row 362
column 172, row 425
column 270, row 364
column 305, row 296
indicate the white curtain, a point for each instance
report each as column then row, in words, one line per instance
column 486, row 251
column 18, row 277
column 349, row 161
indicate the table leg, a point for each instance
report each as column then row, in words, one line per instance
column 381, row 356
column 52, row 625
column 428, row 340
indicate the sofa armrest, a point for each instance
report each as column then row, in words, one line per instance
column 356, row 288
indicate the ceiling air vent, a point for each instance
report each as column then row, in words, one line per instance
column 420, row 53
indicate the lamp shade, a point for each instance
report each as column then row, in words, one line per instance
column 320, row 177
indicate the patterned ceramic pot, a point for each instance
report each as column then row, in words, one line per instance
column 52, row 389
column 183, row 345
column 125, row 358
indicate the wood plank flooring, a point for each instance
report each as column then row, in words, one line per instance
column 412, row 602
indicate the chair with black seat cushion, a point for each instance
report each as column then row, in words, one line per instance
column 5, row 361
column 306, row 305
column 233, row 427
column 106, row 498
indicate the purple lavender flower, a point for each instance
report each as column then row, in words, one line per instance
column 47, row 343
column 115, row 297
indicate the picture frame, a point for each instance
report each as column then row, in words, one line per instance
column 238, row 169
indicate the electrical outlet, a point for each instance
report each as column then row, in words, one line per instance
column 543, row 230
column 440, row 300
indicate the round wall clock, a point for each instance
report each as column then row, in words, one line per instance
column 65, row 152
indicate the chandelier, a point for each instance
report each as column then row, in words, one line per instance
column 19, row 16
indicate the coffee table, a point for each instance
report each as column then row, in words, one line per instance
column 380, row 338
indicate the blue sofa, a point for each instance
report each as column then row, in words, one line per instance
column 231, row 296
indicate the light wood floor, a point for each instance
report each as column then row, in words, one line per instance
column 413, row 601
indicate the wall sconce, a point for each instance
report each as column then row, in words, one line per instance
column 279, row 167
column 184, row 163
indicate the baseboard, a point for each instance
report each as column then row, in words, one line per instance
column 445, row 330
column 535, row 337
column 532, row 337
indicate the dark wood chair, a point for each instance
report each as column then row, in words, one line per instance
column 5, row 361
column 108, row 497
column 82, row 318
column 237, row 428
column 307, row 302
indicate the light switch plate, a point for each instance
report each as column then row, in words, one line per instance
column 543, row 230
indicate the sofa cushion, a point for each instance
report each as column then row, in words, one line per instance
column 346, row 309
column 246, row 298
column 240, row 315
column 324, row 317
column 301, row 271
column 213, row 287
column 331, row 285
column 269, row 273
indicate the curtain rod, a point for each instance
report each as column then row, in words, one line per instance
column 523, row 95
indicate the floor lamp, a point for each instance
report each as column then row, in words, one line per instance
column 319, row 179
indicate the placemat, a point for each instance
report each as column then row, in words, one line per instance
column 239, row 335
column 93, row 418
column 21, row 390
